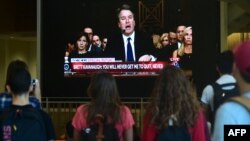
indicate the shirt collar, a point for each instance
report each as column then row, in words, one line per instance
column 132, row 36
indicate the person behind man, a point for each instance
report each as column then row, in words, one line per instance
column 19, row 84
column 166, row 52
column 129, row 45
column 96, row 41
column 224, row 66
column 6, row 97
column 184, row 53
column 104, row 43
column 172, row 37
column 82, row 44
column 233, row 113
column 93, row 49
column 179, row 32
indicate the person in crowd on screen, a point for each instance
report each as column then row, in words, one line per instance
column 105, row 100
column 156, row 41
column 184, row 53
column 82, row 45
column 69, row 47
column 93, row 49
column 233, row 113
column 172, row 37
column 6, row 97
column 166, row 52
column 179, row 32
column 104, row 43
column 129, row 45
column 96, row 41
column 173, row 103
column 19, row 85
column 164, row 39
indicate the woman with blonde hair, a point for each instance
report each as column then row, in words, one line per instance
column 184, row 53
column 173, row 103
column 164, row 40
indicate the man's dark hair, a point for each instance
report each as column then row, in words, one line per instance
column 123, row 7
column 83, row 34
column 16, row 64
column 225, row 62
column 19, row 81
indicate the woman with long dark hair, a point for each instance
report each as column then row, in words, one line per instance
column 105, row 101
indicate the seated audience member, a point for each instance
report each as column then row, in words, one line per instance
column 164, row 40
column 96, row 41
column 224, row 66
column 6, row 97
column 19, row 84
column 179, row 33
column 166, row 52
column 172, row 37
column 184, row 53
column 69, row 47
column 129, row 45
column 105, row 101
column 231, row 112
column 82, row 45
column 93, row 49
column 104, row 43
column 173, row 103
column 157, row 41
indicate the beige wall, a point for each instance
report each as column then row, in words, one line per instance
column 235, row 38
column 11, row 49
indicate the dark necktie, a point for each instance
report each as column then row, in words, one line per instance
column 129, row 51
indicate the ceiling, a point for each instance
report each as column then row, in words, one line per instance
column 18, row 15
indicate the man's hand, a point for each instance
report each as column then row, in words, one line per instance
column 146, row 58
column 37, row 90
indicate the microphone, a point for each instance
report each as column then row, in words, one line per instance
column 123, row 30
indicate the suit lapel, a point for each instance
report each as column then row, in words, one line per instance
column 122, row 48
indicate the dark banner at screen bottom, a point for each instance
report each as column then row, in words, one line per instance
column 236, row 132
column 116, row 68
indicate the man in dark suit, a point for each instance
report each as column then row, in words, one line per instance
column 129, row 45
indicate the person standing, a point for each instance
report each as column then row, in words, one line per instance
column 6, row 97
column 173, row 103
column 224, row 65
column 232, row 113
column 105, row 101
column 13, row 125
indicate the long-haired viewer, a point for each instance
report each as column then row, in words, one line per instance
column 173, row 103
column 105, row 101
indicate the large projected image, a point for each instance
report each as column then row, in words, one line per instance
column 129, row 39
column 126, row 51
